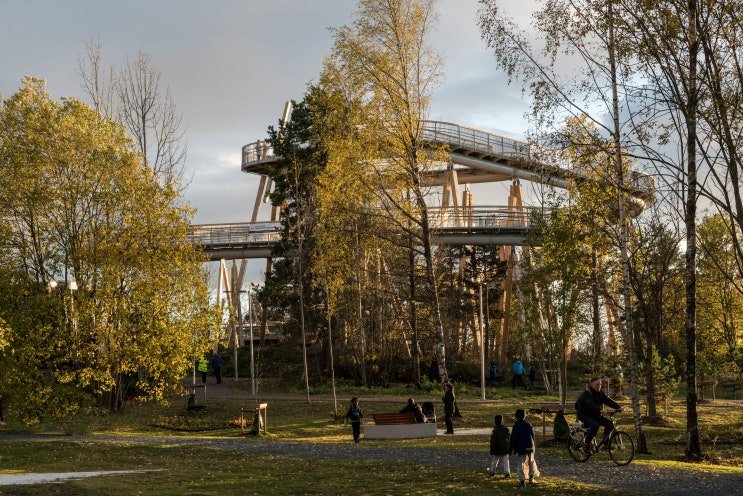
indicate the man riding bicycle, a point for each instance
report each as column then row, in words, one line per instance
column 590, row 412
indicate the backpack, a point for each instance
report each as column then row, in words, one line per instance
column 561, row 429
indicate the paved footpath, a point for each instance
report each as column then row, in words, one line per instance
column 638, row 478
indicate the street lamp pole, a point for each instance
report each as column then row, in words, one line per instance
column 482, row 349
column 252, row 361
column 238, row 332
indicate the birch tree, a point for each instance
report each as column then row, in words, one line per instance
column 134, row 95
column 391, row 71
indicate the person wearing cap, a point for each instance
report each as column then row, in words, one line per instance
column 590, row 410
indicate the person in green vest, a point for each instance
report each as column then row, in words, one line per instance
column 203, row 368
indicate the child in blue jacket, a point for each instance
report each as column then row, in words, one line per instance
column 522, row 443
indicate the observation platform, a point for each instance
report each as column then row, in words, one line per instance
column 482, row 157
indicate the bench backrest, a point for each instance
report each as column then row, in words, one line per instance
column 394, row 418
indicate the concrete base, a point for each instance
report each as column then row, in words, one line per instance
column 400, row 431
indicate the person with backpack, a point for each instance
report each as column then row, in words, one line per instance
column 500, row 441
column 355, row 415
column 589, row 406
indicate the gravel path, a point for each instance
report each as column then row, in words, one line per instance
column 634, row 477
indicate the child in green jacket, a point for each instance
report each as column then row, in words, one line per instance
column 499, row 442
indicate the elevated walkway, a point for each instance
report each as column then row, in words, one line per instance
column 450, row 226
column 481, row 157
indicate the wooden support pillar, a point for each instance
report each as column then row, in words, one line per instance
column 506, row 253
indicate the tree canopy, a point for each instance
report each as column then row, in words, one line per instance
column 100, row 285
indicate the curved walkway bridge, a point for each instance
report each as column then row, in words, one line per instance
column 476, row 157
column 474, row 226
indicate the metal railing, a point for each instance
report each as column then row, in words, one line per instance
column 470, row 221
column 474, row 140
column 486, row 218
column 488, row 146
column 237, row 235
column 494, row 146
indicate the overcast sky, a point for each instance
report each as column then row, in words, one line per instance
column 231, row 65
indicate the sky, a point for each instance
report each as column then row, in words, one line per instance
column 232, row 64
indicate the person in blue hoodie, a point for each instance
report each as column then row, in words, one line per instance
column 522, row 443
column 518, row 373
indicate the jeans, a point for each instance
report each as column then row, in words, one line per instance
column 593, row 426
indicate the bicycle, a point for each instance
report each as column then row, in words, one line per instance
column 620, row 444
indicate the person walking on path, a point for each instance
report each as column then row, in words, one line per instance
column 217, row 366
column 493, row 374
column 203, row 367
column 518, row 373
column 532, row 377
column 355, row 415
column 500, row 441
column 448, row 400
column 522, row 443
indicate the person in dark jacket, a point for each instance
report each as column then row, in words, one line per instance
column 415, row 408
column 500, row 441
column 355, row 415
column 522, row 443
column 433, row 370
column 448, row 400
column 217, row 366
column 532, row 377
column 590, row 410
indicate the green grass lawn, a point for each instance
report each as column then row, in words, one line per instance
column 188, row 470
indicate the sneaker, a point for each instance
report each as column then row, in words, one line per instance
column 532, row 481
column 506, row 476
column 521, row 485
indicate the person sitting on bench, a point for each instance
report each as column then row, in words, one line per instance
column 414, row 407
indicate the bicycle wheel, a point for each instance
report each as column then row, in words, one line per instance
column 575, row 443
column 621, row 448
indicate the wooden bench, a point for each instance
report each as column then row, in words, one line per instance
column 261, row 412
column 393, row 418
column 398, row 426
